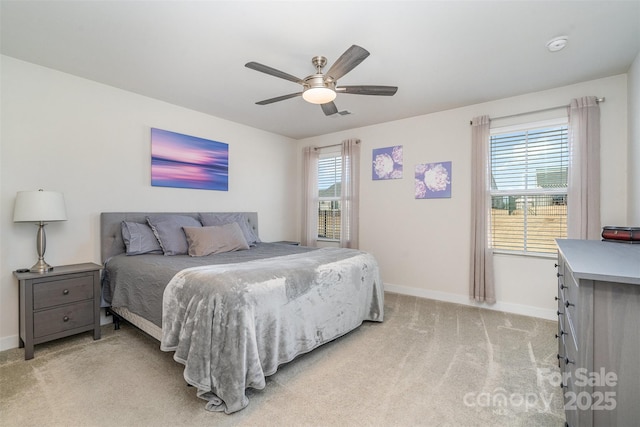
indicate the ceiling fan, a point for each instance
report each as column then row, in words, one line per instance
column 321, row 88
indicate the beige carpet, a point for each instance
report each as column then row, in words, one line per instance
column 430, row 363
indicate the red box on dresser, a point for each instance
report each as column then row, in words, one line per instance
column 621, row 234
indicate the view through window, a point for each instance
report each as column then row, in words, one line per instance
column 329, row 192
column 529, row 187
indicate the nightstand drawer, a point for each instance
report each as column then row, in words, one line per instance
column 47, row 322
column 56, row 292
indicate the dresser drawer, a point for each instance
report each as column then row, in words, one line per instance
column 569, row 398
column 562, row 325
column 568, row 300
column 570, row 351
column 47, row 322
column 56, row 292
column 567, row 286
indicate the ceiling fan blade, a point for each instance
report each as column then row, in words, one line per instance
column 368, row 90
column 329, row 108
column 278, row 98
column 272, row 71
column 347, row 62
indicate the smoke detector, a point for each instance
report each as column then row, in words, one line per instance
column 557, row 43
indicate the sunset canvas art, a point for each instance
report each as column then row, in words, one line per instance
column 185, row 161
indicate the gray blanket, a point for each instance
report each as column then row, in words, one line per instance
column 232, row 325
column 137, row 282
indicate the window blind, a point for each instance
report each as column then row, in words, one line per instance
column 329, row 176
column 329, row 192
column 535, row 159
column 529, row 189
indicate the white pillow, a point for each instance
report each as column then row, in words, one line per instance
column 216, row 239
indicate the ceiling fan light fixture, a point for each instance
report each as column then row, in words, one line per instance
column 319, row 95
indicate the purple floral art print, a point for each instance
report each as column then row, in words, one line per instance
column 433, row 180
column 185, row 161
column 387, row 163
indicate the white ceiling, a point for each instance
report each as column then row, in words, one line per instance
column 440, row 54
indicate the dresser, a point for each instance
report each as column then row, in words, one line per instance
column 62, row 302
column 599, row 332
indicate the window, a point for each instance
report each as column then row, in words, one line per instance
column 529, row 187
column 329, row 192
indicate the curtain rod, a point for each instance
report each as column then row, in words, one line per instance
column 332, row 145
column 598, row 100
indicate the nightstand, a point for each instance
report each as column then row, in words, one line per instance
column 65, row 301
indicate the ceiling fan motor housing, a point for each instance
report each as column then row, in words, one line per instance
column 317, row 80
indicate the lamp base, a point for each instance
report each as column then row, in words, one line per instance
column 41, row 267
column 41, row 244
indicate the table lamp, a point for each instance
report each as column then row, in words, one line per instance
column 40, row 207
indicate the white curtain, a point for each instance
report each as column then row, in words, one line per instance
column 350, row 199
column 482, row 286
column 583, row 193
column 310, row 197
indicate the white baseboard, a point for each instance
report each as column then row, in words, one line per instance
column 524, row 310
column 7, row 343
column 104, row 319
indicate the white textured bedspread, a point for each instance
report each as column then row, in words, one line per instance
column 232, row 325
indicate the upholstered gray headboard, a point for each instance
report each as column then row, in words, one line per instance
column 111, row 242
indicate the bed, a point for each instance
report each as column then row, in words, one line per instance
column 233, row 316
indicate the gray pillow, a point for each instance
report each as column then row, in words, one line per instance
column 215, row 239
column 168, row 231
column 222, row 218
column 139, row 239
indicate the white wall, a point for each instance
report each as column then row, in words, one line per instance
column 92, row 142
column 634, row 143
column 422, row 245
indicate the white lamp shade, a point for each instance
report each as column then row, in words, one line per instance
column 36, row 206
column 319, row 95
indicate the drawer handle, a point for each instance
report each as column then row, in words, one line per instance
column 65, row 319
column 559, row 312
column 65, row 292
column 567, row 304
column 555, row 265
column 562, row 286
column 566, row 359
column 556, row 298
column 559, row 275
column 561, row 334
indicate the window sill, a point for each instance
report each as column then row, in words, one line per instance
column 525, row 254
